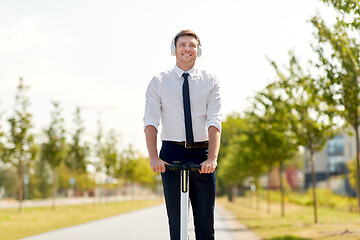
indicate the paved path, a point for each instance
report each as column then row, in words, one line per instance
column 72, row 201
column 149, row 223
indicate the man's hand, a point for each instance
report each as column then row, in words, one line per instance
column 157, row 165
column 208, row 166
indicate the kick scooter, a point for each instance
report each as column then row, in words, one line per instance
column 185, row 169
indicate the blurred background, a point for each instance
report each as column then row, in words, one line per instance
column 73, row 76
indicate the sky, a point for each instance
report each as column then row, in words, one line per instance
column 101, row 55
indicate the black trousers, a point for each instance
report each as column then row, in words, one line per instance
column 201, row 191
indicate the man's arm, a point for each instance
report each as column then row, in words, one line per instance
column 210, row 164
column 214, row 131
column 156, row 164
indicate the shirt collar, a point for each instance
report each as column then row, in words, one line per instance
column 179, row 72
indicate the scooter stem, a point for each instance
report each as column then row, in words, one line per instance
column 184, row 208
column 185, row 179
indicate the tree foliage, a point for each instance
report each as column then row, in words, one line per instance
column 350, row 11
column 135, row 168
column 54, row 150
column 79, row 150
column 2, row 141
column 312, row 117
column 40, row 184
column 352, row 173
column 339, row 57
column 110, row 154
column 21, row 146
column 274, row 117
column 233, row 145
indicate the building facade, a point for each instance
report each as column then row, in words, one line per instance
column 331, row 164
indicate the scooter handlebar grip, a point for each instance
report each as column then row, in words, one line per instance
column 194, row 167
column 177, row 166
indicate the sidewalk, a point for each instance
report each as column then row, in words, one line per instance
column 72, row 201
column 149, row 223
column 239, row 231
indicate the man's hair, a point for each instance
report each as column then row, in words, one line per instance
column 186, row 33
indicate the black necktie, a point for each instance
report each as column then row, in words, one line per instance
column 187, row 110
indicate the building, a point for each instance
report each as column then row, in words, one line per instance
column 330, row 164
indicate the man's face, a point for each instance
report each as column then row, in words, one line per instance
column 186, row 50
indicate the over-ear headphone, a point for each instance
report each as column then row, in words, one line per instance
column 173, row 47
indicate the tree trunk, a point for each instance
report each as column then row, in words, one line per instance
column 358, row 165
column 54, row 188
column 257, row 196
column 314, row 185
column 268, row 197
column 268, row 200
column 230, row 193
column 282, row 189
column 21, row 183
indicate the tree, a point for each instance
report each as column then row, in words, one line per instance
column 21, row 144
column 134, row 168
column 54, row 150
column 312, row 121
column 352, row 175
column 7, row 174
column 341, row 65
column 8, row 177
column 142, row 173
column 40, row 179
column 79, row 151
column 261, row 140
column 274, row 113
column 228, row 171
column 238, row 156
column 109, row 154
column 350, row 9
column 2, row 140
column 233, row 126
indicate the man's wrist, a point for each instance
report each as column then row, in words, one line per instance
column 154, row 157
column 212, row 160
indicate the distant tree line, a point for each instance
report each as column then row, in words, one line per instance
column 57, row 161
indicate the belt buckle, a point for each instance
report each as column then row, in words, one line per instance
column 188, row 145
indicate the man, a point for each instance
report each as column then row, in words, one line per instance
column 194, row 138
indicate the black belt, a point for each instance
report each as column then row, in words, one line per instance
column 193, row 145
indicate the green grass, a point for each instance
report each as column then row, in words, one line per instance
column 325, row 198
column 298, row 223
column 289, row 238
column 31, row 221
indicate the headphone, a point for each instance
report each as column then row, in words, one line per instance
column 173, row 47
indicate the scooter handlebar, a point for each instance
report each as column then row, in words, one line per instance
column 177, row 166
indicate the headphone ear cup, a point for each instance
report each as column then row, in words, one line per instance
column 199, row 51
column 173, row 49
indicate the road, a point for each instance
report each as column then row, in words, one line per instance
column 149, row 223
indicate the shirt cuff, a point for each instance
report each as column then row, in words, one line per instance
column 150, row 123
column 216, row 124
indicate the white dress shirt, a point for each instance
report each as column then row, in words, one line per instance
column 164, row 101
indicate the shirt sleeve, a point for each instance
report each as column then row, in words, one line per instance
column 214, row 116
column 153, row 104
